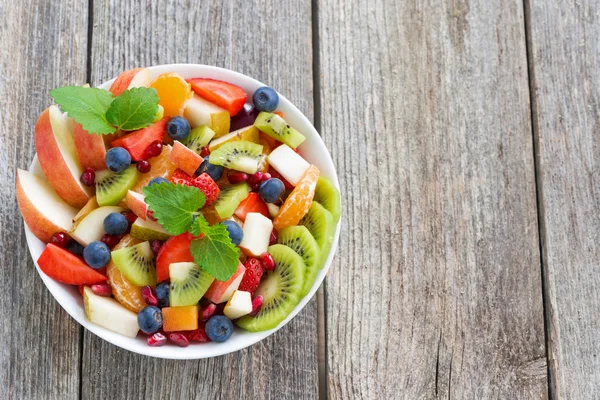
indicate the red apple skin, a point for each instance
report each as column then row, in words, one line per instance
column 218, row 288
column 90, row 148
column 54, row 166
column 185, row 159
column 137, row 206
column 123, row 81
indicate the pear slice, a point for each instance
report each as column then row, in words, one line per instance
column 239, row 304
column 109, row 313
column 148, row 230
column 90, row 228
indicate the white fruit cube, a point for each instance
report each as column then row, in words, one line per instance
column 199, row 111
column 288, row 163
column 273, row 209
column 90, row 228
column 239, row 305
column 109, row 313
column 257, row 232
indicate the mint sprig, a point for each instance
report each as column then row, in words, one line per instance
column 213, row 251
column 134, row 109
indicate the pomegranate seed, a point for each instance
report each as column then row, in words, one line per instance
column 88, row 177
column 198, row 335
column 257, row 303
column 274, row 237
column 153, row 150
column 143, row 166
column 81, row 289
column 266, row 176
column 131, row 217
column 205, row 152
column 156, row 340
column 150, row 214
column 207, row 312
column 149, row 296
column 111, row 240
column 102, row 289
column 179, row 339
column 267, row 261
column 219, row 309
column 236, row 177
column 155, row 245
column 60, row 239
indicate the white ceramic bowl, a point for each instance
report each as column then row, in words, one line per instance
column 313, row 149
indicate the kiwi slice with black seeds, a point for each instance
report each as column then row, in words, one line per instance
column 199, row 138
column 319, row 223
column 188, row 283
column 276, row 127
column 328, row 196
column 240, row 155
column 136, row 263
column 111, row 187
column 230, row 198
column 299, row 239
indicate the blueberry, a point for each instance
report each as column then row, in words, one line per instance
column 214, row 171
column 150, row 319
column 265, row 99
column 115, row 224
column 159, row 179
column 219, row 328
column 271, row 190
column 178, row 128
column 235, row 231
column 117, row 159
column 96, row 254
column 162, row 294
column 74, row 247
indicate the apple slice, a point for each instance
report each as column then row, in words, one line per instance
column 220, row 292
column 239, row 304
column 136, row 203
column 109, row 313
column 90, row 148
column 249, row 133
column 91, row 205
column 257, row 231
column 58, row 158
column 137, row 77
column 91, row 227
column 288, row 163
column 184, row 158
column 43, row 211
column 200, row 112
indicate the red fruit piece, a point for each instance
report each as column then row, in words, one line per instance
column 137, row 142
column 275, row 174
column 88, row 177
column 223, row 94
column 252, row 203
column 176, row 249
column 157, row 339
column 198, row 335
column 149, row 296
column 154, row 149
column 143, row 166
column 111, row 240
column 274, row 237
column 251, row 279
column 203, row 182
column 181, row 177
column 155, row 245
column 60, row 239
column 257, row 303
column 102, row 289
column 179, row 339
column 207, row 312
column 236, row 177
column 267, row 261
column 63, row 266
column 80, row 287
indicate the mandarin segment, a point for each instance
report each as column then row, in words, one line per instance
column 173, row 92
column 160, row 166
column 298, row 202
column 125, row 292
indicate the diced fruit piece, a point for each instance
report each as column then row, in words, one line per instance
column 230, row 198
column 203, row 182
column 319, row 223
column 220, row 292
column 137, row 77
column 188, row 284
column 90, row 228
column 199, row 111
column 143, row 166
column 90, row 148
column 267, row 260
column 180, row 318
column 153, row 150
column 156, row 340
column 239, row 155
column 173, row 92
column 61, row 265
column 135, row 202
column 237, row 177
column 160, row 166
column 198, row 335
column 288, row 163
column 257, row 303
column 299, row 239
column 276, row 127
column 179, row 339
column 149, row 296
column 91, row 205
column 207, row 312
column 329, row 197
column 184, row 158
column 252, row 203
column 252, row 276
column 126, row 293
column 273, row 210
column 298, row 202
column 43, row 210
column 224, row 94
column 219, row 328
column 60, row 239
column 199, row 138
column 137, row 142
column 265, row 99
column 249, row 133
column 111, row 187
column 58, row 158
column 257, row 231
column 102, row 289
column 136, row 263
column 281, row 290
column 88, row 177
column 211, row 215
column 108, row 313
column 239, row 304
column 149, row 230
column 174, row 250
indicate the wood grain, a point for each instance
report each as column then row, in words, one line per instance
column 272, row 44
column 43, row 46
column 436, row 290
column 565, row 69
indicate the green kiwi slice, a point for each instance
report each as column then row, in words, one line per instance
column 240, row 155
column 299, row 239
column 276, row 127
column 199, row 138
column 230, row 198
column 188, row 283
column 329, row 197
column 136, row 263
column 111, row 187
column 319, row 223
column 281, row 290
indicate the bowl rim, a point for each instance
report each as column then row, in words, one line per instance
column 70, row 300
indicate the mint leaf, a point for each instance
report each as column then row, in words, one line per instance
column 215, row 253
column 134, row 109
column 199, row 226
column 174, row 206
column 87, row 106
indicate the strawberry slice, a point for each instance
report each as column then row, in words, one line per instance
column 252, row 203
column 203, row 182
column 63, row 266
column 174, row 250
column 136, row 142
column 224, row 94
column 251, row 279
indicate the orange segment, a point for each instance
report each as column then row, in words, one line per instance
column 173, row 91
column 180, row 318
column 126, row 293
column 159, row 166
column 299, row 201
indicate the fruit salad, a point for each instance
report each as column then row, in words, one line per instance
column 180, row 208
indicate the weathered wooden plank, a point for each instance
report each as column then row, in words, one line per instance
column 43, row 46
column 436, row 290
column 565, row 71
column 248, row 38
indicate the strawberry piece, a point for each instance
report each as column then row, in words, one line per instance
column 251, row 279
column 203, row 182
column 176, row 249
column 275, row 174
column 252, row 203
column 63, row 266
column 224, row 94
column 137, row 142
column 181, row 177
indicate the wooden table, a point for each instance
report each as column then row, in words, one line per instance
column 466, row 134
